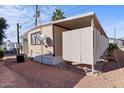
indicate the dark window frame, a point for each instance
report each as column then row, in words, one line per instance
column 35, row 39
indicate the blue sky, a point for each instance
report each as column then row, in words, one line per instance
column 110, row 17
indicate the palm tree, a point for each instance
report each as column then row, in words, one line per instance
column 57, row 15
column 3, row 27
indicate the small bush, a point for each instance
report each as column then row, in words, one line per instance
column 113, row 46
column 1, row 53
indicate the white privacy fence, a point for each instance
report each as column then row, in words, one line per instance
column 85, row 45
column 78, row 45
column 100, row 44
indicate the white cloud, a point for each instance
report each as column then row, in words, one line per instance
column 16, row 14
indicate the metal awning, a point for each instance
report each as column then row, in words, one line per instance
column 79, row 21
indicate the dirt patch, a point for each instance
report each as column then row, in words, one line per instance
column 36, row 75
column 42, row 75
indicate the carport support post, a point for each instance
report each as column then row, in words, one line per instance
column 92, row 21
column 92, row 69
column 92, row 25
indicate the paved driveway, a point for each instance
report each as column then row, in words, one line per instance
column 32, row 74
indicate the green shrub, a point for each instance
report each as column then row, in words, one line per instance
column 112, row 46
column 1, row 53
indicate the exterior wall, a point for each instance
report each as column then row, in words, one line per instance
column 25, row 47
column 111, row 41
column 58, row 40
column 100, row 44
column 119, row 42
column 25, row 44
column 122, row 49
column 78, row 45
column 48, row 32
column 38, row 50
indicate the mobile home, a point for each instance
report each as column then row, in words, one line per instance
column 80, row 39
column 118, row 41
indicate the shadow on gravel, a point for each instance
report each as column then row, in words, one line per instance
column 112, row 63
column 45, row 76
column 11, row 61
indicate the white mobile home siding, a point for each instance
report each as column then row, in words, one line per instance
column 36, row 51
column 58, row 40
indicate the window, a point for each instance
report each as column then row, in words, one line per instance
column 34, row 38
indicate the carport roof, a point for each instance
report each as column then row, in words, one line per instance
column 83, row 20
column 76, row 18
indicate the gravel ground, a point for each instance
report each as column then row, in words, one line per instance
column 36, row 75
column 11, row 79
column 112, row 74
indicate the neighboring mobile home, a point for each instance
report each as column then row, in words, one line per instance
column 118, row 41
column 79, row 39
